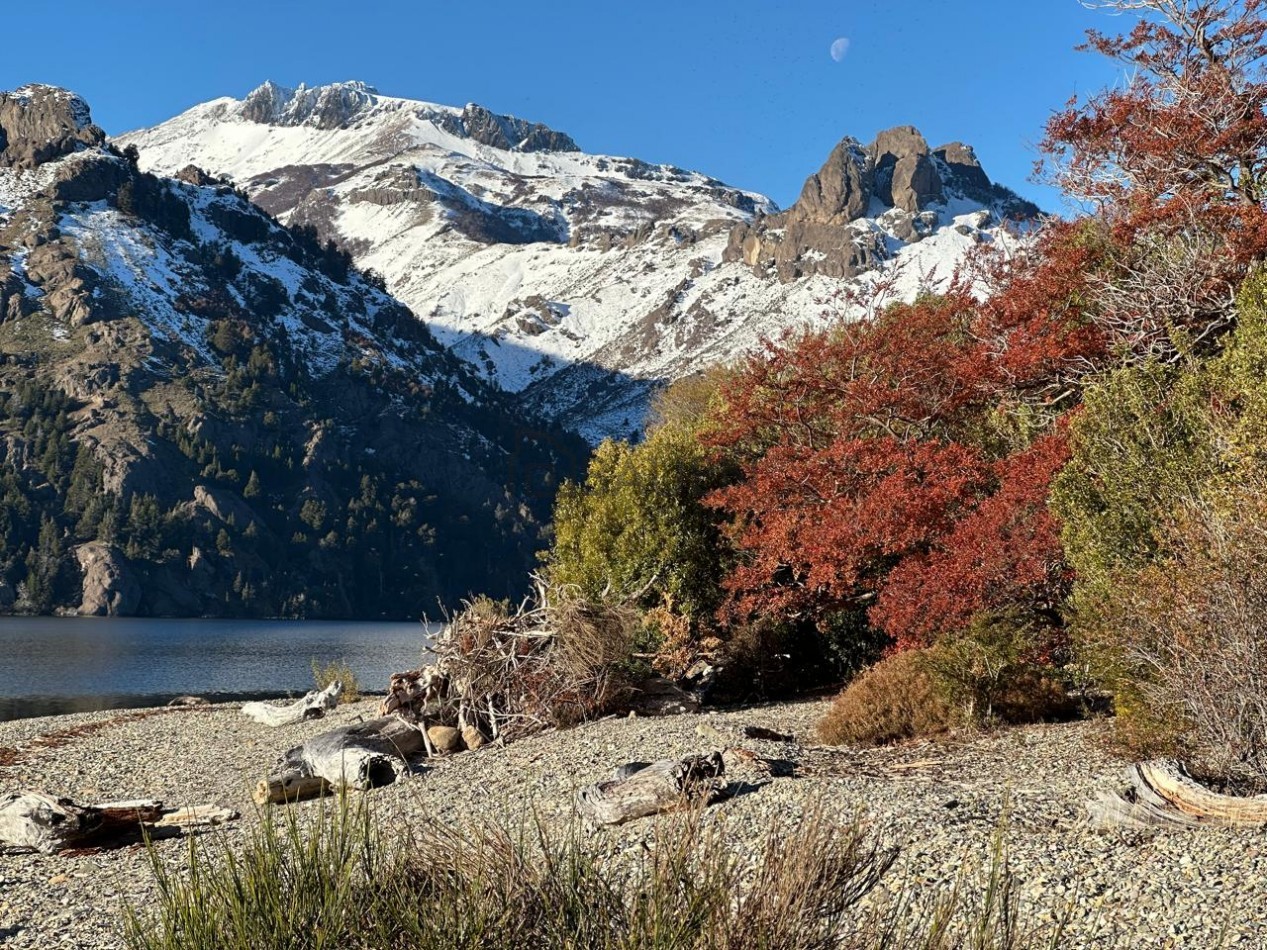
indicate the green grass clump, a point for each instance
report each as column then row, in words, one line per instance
column 338, row 882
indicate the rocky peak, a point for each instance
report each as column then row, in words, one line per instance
column 840, row 191
column 505, row 131
column 41, row 123
column 324, row 107
column 828, row 231
column 962, row 163
column 905, row 176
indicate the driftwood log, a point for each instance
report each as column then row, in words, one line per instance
column 638, row 789
column 1163, row 795
column 313, row 705
column 360, row 756
column 33, row 821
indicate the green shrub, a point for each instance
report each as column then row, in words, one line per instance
column 1151, row 442
column 339, row 670
column 637, row 528
column 998, row 671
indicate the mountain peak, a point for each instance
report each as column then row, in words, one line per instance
column 328, row 106
column 40, row 123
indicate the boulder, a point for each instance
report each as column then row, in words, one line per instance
column 109, row 587
column 41, row 123
column 472, row 738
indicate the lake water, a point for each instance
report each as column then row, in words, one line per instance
column 52, row 665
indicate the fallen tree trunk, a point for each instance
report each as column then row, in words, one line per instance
column 33, row 821
column 314, row 705
column 1163, row 795
column 360, row 756
column 638, row 790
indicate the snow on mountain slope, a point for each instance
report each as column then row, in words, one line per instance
column 581, row 281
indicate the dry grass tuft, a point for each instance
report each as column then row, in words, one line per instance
column 898, row 698
column 323, row 676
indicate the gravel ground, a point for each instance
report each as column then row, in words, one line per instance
column 942, row 803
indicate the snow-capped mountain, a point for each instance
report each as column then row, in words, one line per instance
column 581, row 281
column 202, row 411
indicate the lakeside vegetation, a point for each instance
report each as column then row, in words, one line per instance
column 1046, row 480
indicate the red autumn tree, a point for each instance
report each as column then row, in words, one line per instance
column 876, row 451
column 1172, row 166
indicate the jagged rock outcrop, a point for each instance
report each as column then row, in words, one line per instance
column 829, row 233
column 905, row 176
column 505, row 132
column 323, row 107
column 42, row 123
column 110, row 588
column 840, row 191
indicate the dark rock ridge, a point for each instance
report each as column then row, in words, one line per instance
column 41, row 123
column 505, row 131
column 338, row 105
column 897, row 179
column 203, row 412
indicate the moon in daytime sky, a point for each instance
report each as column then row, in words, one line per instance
column 839, row 48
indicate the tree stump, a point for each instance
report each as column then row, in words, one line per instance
column 33, row 821
column 1163, row 795
column 637, row 790
column 360, row 756
column 314, row 705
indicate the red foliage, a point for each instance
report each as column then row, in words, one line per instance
column 1005, row 552
column 875, row 469
column 1173, row 164
column 867, row 460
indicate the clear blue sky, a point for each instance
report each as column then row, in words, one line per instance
column 746, row 91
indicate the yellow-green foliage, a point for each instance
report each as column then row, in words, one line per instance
column 323, row 676
column 1149, row 442
column 637, row 525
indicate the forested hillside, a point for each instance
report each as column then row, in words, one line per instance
column 203, row 412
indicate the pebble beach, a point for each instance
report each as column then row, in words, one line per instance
column 943, row 804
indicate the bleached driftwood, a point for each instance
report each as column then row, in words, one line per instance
column 638, row 790
column 410, row 693
column 1163, row 795
column 33, row 821
column 360, row 756
column 314, row 705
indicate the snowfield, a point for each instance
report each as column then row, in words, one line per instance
column 581, row 281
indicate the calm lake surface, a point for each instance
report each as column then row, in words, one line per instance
column 53, row 665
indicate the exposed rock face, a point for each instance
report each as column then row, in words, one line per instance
column 324, row 107
column 110, row 588
column 905, row 176
column 840, row 191
column 506, row 132
column 41, row 123
column 827, row 232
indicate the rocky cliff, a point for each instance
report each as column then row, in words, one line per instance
column 204, row 412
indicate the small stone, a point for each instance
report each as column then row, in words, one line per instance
column 473, row 738
column 445, row 739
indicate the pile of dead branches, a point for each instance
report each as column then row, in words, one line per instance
column 556, row 660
